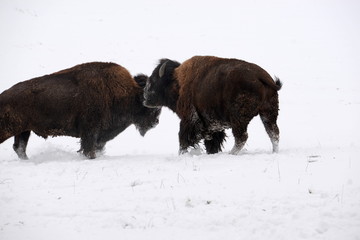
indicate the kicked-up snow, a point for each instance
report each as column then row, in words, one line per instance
column 140, row 188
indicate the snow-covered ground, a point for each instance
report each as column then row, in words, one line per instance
column 140, row 188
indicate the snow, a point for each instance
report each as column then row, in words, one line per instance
column 140, row 188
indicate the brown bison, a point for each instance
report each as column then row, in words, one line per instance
column 211, row 94
column 92, row 101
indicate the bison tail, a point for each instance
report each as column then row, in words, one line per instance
column 278, row 83
column 275, row 84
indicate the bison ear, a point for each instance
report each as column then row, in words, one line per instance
column 162, row 69
column 141, row 79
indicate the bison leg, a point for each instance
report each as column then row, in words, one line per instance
column 214, row 144
column 189, row 135
column 268, row 117
column 88, row 146
column 20, row 144
column 245, row 108
column 273, row 132
column 99, row 147
column 239, row 130
column 80, row 150
column 240, row 140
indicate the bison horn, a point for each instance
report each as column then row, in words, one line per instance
column 162, row 69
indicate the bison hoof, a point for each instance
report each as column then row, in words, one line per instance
column 90, row 155
column 235, row 150
column 21, row 153
column 183, row 151
column 23, row 156
column 194, row 151
column 275, row 144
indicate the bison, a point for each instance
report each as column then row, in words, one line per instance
column 210, row 94
column 92, row 101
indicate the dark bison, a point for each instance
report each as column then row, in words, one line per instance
column 92, row 101
column 211, row 94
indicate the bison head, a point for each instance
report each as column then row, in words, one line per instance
column 148, row 117
column 159, row 86
column 148, row 121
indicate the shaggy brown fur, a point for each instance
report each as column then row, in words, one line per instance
column 93, row 101
column 210, row 94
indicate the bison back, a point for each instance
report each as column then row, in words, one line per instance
column 213, row 84
column 70, row 101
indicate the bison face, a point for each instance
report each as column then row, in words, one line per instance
column 159, row 83
column 149, row 120
column 149, row 117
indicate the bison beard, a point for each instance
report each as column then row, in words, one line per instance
column 211, row 94
column 93, row 101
